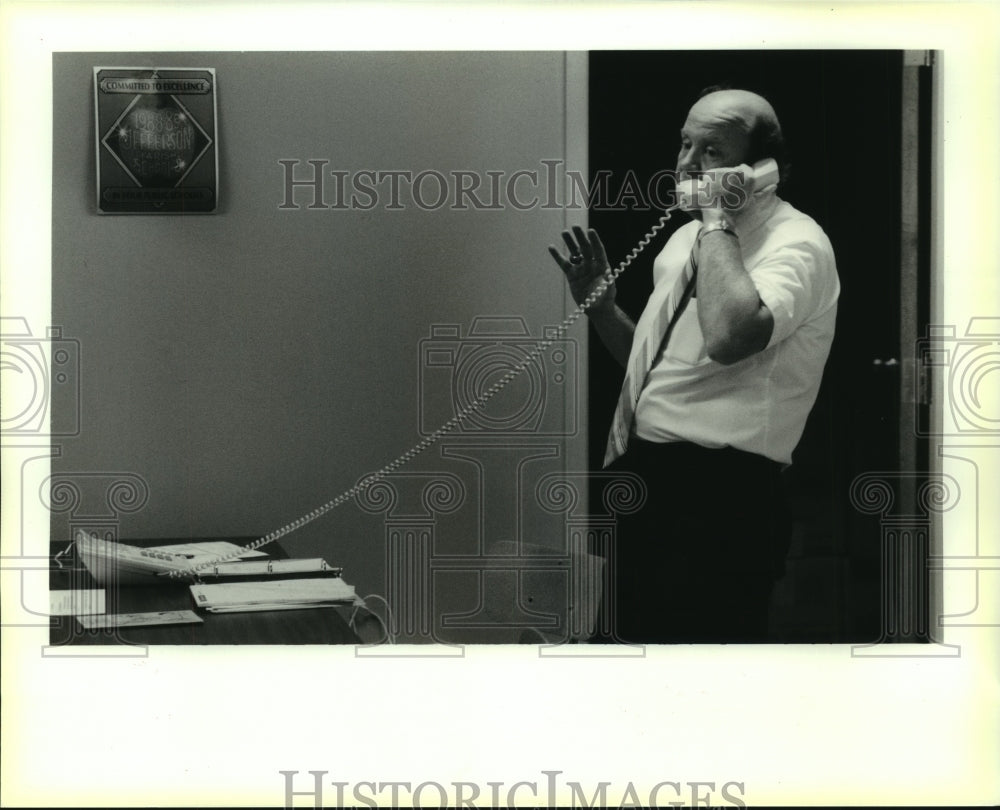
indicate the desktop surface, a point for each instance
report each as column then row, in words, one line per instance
column 324, row 625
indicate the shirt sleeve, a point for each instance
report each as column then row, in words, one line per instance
column 797, row 282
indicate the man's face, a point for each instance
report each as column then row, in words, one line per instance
column 714, row 136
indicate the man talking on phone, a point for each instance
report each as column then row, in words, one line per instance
column 721, row 371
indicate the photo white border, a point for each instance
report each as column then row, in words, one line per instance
column 209, row 727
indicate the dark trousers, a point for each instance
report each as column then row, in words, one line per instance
column 698, row 561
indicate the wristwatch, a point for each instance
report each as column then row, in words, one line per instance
column 721, row 224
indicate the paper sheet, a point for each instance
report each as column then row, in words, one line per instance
column 113, row 620
column 76, row 603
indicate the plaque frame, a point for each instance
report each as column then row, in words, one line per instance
column 156, row 140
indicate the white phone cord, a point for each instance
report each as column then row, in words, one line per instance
column 539, row 348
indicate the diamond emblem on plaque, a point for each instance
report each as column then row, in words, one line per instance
column 157, row 141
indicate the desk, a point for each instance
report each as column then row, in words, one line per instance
column 309, row 626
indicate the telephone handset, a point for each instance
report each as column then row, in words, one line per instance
column 764, row 178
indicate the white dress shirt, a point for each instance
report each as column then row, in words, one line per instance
column 759, row 404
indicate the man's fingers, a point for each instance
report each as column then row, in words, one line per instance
column 585, row 244
column 597, row 247
column 585, row 249
column 570, row 243
column 565, row 265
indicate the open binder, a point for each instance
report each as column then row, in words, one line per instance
column 273, row 594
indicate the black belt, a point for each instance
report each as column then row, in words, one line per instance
column 688, row 455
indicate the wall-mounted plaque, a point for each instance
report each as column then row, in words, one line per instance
column 156, row 140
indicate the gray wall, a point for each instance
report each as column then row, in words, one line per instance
column 251, row 364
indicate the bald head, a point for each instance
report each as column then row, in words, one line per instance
column 741, row 123
column 739, row 108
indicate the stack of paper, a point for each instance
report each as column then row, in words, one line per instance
column 273, row 594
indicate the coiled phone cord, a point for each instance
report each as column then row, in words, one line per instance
column 473, row 407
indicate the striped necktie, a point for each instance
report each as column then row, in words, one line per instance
column 645, row 355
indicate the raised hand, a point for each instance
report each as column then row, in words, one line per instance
column 585, row 265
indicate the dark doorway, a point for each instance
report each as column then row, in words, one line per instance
column 841, row 112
